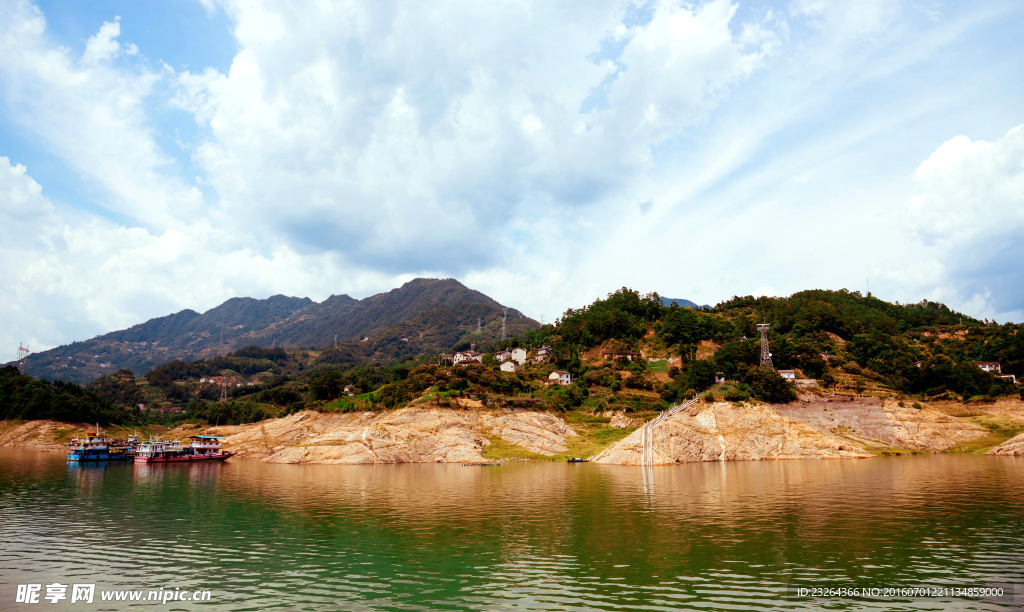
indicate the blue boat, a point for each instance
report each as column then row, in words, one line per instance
column 99, row 447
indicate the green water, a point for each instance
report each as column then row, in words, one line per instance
column 722, row 536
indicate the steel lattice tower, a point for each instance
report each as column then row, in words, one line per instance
column 766, row 355
column 23, row 353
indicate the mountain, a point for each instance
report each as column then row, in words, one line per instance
column 423, row 315
column 683, row 303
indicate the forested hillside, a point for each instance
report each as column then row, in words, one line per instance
column 23, row 397
column 628, row 352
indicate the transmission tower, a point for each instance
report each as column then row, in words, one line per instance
column 223, row 388
column 505, row 316
column 22, row 357
column 766, row 355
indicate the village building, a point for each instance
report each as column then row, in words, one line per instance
column 559, row 377
column 1010, row 377
column 519, row 355
column 468, row 356
column 989, row 366
column 447, row 357
column 502, row 356
column 350, row 390
column 510, row 366
column 788, row 374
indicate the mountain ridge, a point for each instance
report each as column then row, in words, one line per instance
column 430, row 314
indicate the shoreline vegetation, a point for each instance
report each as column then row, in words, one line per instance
column 863, row 378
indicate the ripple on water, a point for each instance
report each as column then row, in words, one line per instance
column 522, row 537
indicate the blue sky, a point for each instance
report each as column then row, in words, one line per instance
column 166, row 155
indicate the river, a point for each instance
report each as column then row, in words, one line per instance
column 530, row 536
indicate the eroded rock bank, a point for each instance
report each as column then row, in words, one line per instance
column 1012, row 447
column 814, row 427
column 820, row 428
column 409, row 435
column 878, row 423
column 725, row 432
column 43, row 435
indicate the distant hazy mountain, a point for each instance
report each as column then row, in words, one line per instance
column 683, row 303
column 422, row 315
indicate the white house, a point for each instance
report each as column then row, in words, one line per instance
column 788, row 374
column 519, row 355
column 559, row 377
column 510, row 366
column 989, row 366
column 468, row 356
column 503, row 355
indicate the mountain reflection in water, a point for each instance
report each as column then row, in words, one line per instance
column 537, row 536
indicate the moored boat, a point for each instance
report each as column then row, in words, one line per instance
column 99, row 447
column 202, row 448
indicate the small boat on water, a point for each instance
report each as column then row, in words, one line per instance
column 202, row 448
column 576, row 460
column 99, row 447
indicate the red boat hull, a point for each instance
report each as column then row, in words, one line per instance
column 221, row 456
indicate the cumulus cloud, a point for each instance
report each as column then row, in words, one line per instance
column 545, row 153
column 970, row 206
column 103, row 45
column 410, row 132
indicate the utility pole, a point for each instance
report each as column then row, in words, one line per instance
column 479, row 325
column 23, row 353
column 766, row 355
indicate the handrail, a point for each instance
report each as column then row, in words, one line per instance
column 647, row 436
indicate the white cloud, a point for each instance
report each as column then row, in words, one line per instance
column 92, row 114
column 970, row 207
column 545, row 153
column 103, row 45
column 402, row 145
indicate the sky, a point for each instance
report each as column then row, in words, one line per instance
column 158, row 156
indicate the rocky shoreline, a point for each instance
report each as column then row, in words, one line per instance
column 814, row 427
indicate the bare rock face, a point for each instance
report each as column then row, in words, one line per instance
column 1012, row 447
column 537, row 432
column 409, row 435
column 875, row 422
column 40, row 434
column 929, row 430
column 724, row 432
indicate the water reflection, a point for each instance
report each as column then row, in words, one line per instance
column 530, row 536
